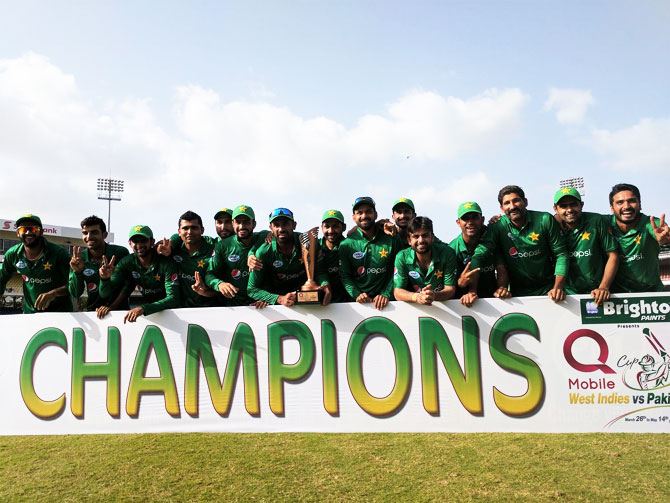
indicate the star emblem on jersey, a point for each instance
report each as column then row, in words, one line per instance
column 47, row 266
column 565, row 191
column 467, row 205
column 438, row 274
column 201, row 263
column 534, row 236
column 636, row 240
column 586, row 235
column 383, row 253
column 157, row 277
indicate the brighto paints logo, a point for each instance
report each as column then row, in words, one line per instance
column 640, row 309
column 516, row 254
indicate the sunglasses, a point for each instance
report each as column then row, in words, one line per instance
column 29, row 228
column 281, row 212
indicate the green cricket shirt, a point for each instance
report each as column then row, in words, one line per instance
column 330, row 260
column 89, row 278
column 440, row 273
column 529, row 253
column 367, row 265
column 229, row 265
column 638, row 269
column 487, row 275
column 280, row 274
column 159, row 283
column 188, row 265
column 49, row 271
column 588, row 246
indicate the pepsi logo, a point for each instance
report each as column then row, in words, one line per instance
column 361, row 271
column 236, row 274
column 91, row 287
column 513, row 252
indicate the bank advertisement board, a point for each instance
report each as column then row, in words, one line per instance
column 517, row 365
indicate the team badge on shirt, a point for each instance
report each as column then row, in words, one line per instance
column 277, row 264
column 414, row 274
column 135, row 274
column 358, row 255
column 20, row 264
column 178, row 258
column 233, row 258
column 89, row 272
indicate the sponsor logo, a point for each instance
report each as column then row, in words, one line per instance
column 233, row 258
column 174, row 277
column 287, row 277
column 358, row 255
column 361, row 271
column 135, row 274
column 516, row 254
column 511, row 236
column 25, row 278
column 149, row 291
column 580, row 254
column 91, row 287
column 466, row 260
column 414, row 274
column 188, row 277
column 277, row 264
column 416, row 288
column 589, row 366
column 488, row 268
column 37, row 281
column 375, row 270
column 20, row 264
column 178, row 258
column 333, row 269
column 395, row 271
column 633, row 258
column 237, row 274
column 621, row 310
column 89, row 272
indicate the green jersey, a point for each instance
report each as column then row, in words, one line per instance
column 529, row 253
column 48, row 272
column 440, row 273
column 588, row 245
column 280, row 274
column 639, row 268
column 367, row 265
column 330, row 260
column 229, row 265
column 89, row 278
column 159, row 283
column 487, row 274
column 187, row 266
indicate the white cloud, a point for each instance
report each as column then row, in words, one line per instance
column 570, row 104
column 642, row 147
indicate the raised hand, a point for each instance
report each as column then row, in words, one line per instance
column 466, row 275
column 661, row 231
column 107, row 268
column 164, row 247
column 76, row 262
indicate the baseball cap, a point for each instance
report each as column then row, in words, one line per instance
column 363, row 200
column 281, row 212
column 29, row 217
column 567, row 191
column 337, row 215
column 403, row 200
column 244, row 210
column 468, row 207
column 141, row 230
column 228, row 211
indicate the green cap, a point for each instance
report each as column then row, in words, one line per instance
column 34, row 218
column 468, row 207
column 141, row 230
column 247, row 211
column 567, row 191
column 281, row 212
column 228, row 211
column 337, row 215
column 404, row 200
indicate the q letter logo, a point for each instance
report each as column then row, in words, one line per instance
column 587, row 367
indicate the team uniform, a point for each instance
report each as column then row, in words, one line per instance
column 159, row 283
column 330, row 260
column 280, row 274
column 441, row 272
column 639, row 269
column 487, row 274
column 187, row 266
column 367, row 265
column 49, row 271
column 89, row 278
column 229, row 265
column 588, row 246
column 533, row 254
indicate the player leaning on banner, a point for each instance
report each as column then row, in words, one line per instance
column 43, row 266
column 425, row 272
column 592, row 250
column 333, row 227
column 155, row 275
column 531, row 245
column 639, row 238
column 367, row 257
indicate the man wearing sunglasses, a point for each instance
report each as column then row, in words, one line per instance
column 43, row 266
column 283, row 272
column 367, row 257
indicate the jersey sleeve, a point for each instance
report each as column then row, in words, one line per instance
column 7, row 269
column 450, row 267
column 607, row 240
column 75, row 284
column 557, row 245
column 257, row 278
column 400, row 273
column 346, row 271
column 486, row 249
column 172, row 296
column 216, row 268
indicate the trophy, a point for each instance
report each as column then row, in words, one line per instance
column 310, row 293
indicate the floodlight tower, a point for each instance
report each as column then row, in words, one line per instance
column 575, row 183
column 109, row 190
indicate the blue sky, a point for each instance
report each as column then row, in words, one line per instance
column 307, row 104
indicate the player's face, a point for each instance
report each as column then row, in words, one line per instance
column 402, row 214
column 626, row 207
column 421, row 241
column 29, row 233
column 190, row 231
column 224, row 226
column 569, row 210
column 365, row 216
column 471, row 224
column 93, row 237
column 243, row 227
column 332, row 230
column 141, row 246
column 282, row 229
column 514, row 206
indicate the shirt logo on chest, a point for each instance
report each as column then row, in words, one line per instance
column 358, row 255
column 533, row 236
column 414, row 274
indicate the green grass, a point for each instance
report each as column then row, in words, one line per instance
column 335, row 467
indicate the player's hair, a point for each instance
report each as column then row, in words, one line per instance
column 620, row 187
column 420, row 223
column 510, row 189
column 188, row 216
column 93, row 220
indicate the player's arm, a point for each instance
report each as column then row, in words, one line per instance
column 560, row 252
column 449, row 269
column 7, row 269
column 502, row 281
column 61, row 275
column 346, row 272
column 172, row 297
column 257, row 278
column 661, row 230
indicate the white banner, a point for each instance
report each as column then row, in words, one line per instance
column 520, row 365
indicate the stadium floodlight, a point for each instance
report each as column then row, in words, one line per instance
column 575, row 183
column 109, row 190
